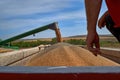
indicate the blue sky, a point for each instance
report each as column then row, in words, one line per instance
column 19, row 16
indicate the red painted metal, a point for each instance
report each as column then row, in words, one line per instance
column 58, row 76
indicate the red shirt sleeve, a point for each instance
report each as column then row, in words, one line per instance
column 114, row 11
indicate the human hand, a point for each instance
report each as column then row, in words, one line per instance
column 101, row 22
column 93, row 40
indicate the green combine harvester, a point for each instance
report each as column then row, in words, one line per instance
column 52, row 26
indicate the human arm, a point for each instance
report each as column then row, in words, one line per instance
column 101, row 22
column 92, row 12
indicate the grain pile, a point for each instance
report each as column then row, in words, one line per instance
column 63, row 54
column 3, row 50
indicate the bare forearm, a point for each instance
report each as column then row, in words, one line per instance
column 102, row 21
column 92, row 13
column 105, row 14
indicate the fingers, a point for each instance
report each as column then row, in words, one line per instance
column 95, row 50
column 101, row 25
column 93, row 43
column 97, row 45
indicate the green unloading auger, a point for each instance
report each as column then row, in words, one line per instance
column 52, row 26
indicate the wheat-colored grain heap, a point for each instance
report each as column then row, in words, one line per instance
column 63, row 54
column 3, row 50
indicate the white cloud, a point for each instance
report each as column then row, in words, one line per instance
column 25, row 7
column 15, row 23
column 11, row 8
column 16, row 8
